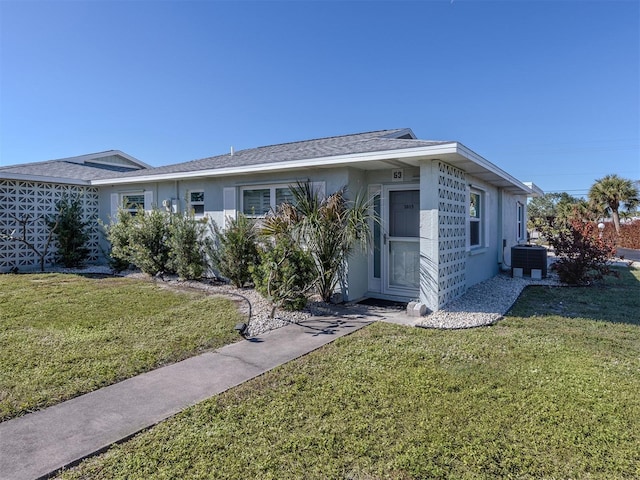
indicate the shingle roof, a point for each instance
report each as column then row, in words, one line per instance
column 381, row 140
column 64, row 169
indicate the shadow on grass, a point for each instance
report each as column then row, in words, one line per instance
column 615, row 300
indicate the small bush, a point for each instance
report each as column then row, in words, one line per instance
column 630, row 235
column 234, row 251
column 187, row 236
column 70, row 232
column 583, row 253
column 141, row 240
column 150, row 242
column 119, row 235
column 285, row 273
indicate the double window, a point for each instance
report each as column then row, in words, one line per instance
column 258, row 201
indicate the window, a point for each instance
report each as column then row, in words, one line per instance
column 475, row 219
column 520, row 222
column 132, row 202
column 196, row 202
column 256, row 202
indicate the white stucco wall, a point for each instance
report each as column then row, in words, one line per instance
column 37, row 200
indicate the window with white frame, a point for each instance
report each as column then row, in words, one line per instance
column 476, row 212
column 196, row 202
column 132, row 202
column 257, row 201
column 520, row 226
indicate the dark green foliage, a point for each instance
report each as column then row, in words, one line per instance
column 142, row 240
column 116, row 264
column 71, row 233
column 118, row 234
column 553, row 211
column 234, row 250
column 158, row 242
column 285, row 273
column 187, row 237
column 329, row 228
column 149, row 242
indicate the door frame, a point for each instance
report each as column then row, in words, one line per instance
column 381, row 285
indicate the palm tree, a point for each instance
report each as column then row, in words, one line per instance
column 608, row 193
column 329, row 229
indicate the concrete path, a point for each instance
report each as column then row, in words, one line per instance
column 40, row 443
column 629, row 254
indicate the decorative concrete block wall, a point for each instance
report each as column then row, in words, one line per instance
column 38, row 200
column 452, row 221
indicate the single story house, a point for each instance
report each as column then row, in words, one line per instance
column 448, row 216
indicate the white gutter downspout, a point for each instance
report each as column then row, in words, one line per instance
column 501, row 239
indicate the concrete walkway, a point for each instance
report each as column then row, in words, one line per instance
column 40, row 443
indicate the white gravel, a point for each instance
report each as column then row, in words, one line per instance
column 484, row 303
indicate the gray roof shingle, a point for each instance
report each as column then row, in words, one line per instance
column 318, row 148
column 64, row 169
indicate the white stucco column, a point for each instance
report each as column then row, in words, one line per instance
column 429, row 235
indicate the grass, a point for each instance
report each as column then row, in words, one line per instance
column 65, row 335
column 549, row 392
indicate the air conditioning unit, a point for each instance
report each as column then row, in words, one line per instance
column 528, row 257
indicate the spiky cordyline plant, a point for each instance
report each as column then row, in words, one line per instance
column 329, row 228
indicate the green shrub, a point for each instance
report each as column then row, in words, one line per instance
column 187, row 237
column 142, row 240
column 149, row 244
column 234, row 251
column 118, row 234
column 330, row 229
column 285, row 273
column 71, row 235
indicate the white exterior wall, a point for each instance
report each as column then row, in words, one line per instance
column 482, row 262
column 358, row 263
column 509, row 226
column 38, row 200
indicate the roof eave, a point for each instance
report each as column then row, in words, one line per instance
column 337, row 160
column 492, row 173
column 451, row 152
column 43, row 179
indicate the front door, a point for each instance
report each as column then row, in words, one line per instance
column 401, row 240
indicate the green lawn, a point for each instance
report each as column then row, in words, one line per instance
column 64, row 335
column 552, row 391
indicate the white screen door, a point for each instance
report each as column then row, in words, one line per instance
column 401, row 249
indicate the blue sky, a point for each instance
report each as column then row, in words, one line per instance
column 547, row 90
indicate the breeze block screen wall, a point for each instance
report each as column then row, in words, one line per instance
column 37, row 200
column 452, row 218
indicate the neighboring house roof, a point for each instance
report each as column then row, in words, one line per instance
column 380, row 149
column 75, row 170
